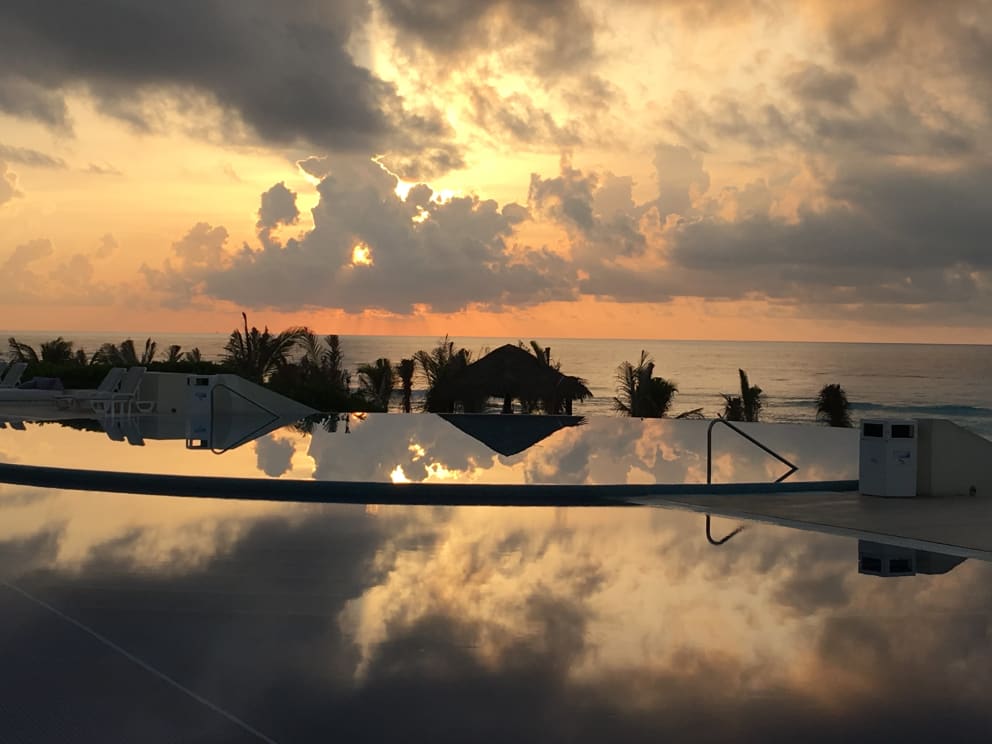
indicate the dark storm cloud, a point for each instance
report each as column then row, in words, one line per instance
column 278, row 208
column 891, row 236
column 27, row 156
column 894, row 223
column 814, row 82
column 547, row 37
column 284, row 72
column 317, row 166
column 898, row 237
column 21, row 97
column 885, row 236
column 602, row 219
column 893, row 126
column 515, row 119
column 454, row 254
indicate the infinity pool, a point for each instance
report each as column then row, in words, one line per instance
column 153, row 618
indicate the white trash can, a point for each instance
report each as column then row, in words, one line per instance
column 889, row 458
column 199, row 417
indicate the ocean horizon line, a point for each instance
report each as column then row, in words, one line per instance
column 204, row 334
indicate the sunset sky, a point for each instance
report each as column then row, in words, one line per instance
column 762, row 169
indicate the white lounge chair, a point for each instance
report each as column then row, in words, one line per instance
column 108, row 385
column 13, row 375
column 123, row 398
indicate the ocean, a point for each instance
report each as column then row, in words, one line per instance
column 881, row 380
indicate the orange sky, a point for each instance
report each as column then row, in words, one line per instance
column 693, row 172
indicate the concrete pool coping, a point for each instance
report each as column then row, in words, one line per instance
column 959, row 526
column 955, row 525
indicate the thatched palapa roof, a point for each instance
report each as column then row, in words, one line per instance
column 511, row 372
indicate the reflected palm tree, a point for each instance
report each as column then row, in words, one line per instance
column 832, row 406
column 746, row 406
column 376, row 382
column 405, row 370
column 255, row 355
column 639, row 394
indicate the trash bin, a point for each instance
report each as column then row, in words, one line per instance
column 888, row 459
column 199, row 416
column 878, row 559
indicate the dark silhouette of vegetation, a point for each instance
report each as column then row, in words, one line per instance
column 324, row 358
column 174, row 354
column 125, row 355
column 832, row 406
column 641, row 395
column 570, row 388
column 309, row 368
column 56, row 351
column 510, row 373
column 437, row 367
column 319, row 378
column 256, row 355
column 376, row 382
column 746, row 406
column 405, row 370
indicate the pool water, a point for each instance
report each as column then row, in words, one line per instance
column 153, row 618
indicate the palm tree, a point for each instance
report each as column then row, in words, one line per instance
column 572, row 388
column 376, row 382
column 405, row 370
column 193, row 355
column 334, row 358
column 832, row 406
column 325, row 358
column 437, row 367
column 174, row 354
column 256, row 354
column 21, row 352
column 641, row 395
column 746, row 406
column 126, row 355
column 56, row 351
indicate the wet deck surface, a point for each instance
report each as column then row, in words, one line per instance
column 957, row 526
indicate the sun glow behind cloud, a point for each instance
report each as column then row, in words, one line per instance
column 361, row 255
column 717, row 162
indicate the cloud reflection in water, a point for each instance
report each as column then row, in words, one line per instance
column 492, row 624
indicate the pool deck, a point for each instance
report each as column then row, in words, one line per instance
column 960, row 526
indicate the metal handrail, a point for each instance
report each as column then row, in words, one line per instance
column 709, row 470
column 248, row 437
column 709, row 450
column 721, row 541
